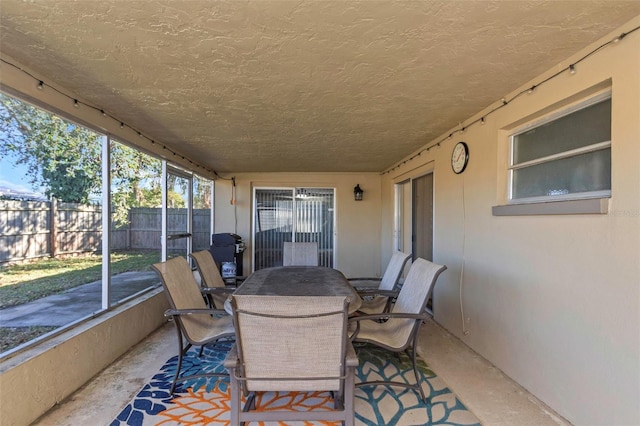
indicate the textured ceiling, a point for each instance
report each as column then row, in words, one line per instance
column 298, row 85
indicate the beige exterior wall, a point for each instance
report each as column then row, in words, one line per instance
column 357, row 222
column 553, row 300
column 34, row 381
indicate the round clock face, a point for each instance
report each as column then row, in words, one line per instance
column 459, row 157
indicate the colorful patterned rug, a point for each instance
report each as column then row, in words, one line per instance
column 206, row 401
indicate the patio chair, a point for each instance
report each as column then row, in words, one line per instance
column 213, row 286
column 194, row 321
column 300, row 254
column 376, row 300
column 400, row 330
column 287, row 344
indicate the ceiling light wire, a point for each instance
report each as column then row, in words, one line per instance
column 41, row 85
column 571, row 68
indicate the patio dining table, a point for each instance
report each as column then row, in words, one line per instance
column 298, row 281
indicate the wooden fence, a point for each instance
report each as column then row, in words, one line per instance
column 32, row 229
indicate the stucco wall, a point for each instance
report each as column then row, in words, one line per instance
column 34, row 381
column 551, row 300
column 357, row 222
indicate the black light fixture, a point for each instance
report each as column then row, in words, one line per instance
column 357, row 193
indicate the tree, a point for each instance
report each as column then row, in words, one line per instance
column 65, row 159
column 62, row 157
column 135, row 181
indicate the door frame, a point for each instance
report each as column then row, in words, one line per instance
column 294, row 191
column 404, row 204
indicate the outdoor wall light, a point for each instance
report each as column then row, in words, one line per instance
column 357, row 193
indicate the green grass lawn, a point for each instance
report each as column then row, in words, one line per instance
column 34, row 280
column 44, row 277
column 10, row 337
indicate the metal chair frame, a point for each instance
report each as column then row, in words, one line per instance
column 412, row 339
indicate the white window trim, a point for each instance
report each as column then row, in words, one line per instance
column 594, row 202
column 564, row 111
column 581, row 206
column 565, row 154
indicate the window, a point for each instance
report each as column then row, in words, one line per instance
column 53, row 193
column 563, row 156
column 202, row 213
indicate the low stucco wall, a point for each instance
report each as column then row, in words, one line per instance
column 34, row 381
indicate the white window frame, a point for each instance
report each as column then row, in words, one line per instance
column 593, row 202
column 599, row 97
column 106, row 290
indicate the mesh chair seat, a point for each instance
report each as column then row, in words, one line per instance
column 373, row 304
column 391, row 334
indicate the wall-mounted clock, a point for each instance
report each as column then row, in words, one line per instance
column 459, row 157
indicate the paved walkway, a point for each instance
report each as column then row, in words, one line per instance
column 75, row 303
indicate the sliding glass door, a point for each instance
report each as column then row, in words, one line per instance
column 292, row 214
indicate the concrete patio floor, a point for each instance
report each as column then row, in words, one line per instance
column 76, row 303
column 484, row 389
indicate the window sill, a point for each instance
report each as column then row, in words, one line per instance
column 586, row 206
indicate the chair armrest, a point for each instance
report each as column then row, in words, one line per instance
column 376, row 292
column 365, row 279
column 351, row 356
column 233, row 282
column 218, row 290
column 232, row 360
column 389, row 315
column 178, row 312
column 373, row 317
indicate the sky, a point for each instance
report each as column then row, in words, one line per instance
column 14, row 176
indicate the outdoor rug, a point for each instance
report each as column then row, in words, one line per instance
column 206, row 401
